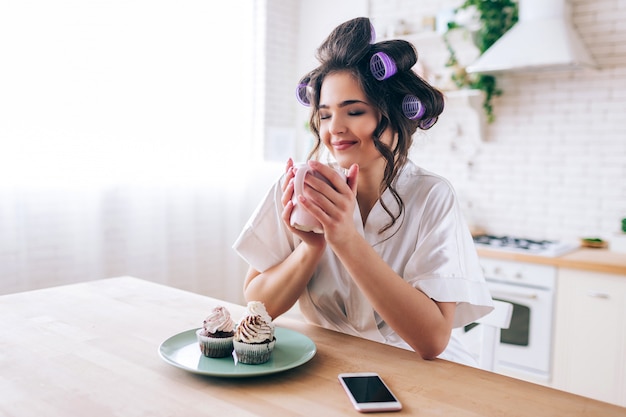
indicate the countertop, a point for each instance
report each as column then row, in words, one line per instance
column 91, row 349
column 598, row 260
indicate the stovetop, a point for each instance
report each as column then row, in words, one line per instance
column 550, row 248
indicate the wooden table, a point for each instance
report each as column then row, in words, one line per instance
column 90, row 349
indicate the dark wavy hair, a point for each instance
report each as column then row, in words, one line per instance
column 349, row 47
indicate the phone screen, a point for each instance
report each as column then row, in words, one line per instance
column 368, row 389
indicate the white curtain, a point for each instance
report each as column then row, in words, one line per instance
column 125, row 130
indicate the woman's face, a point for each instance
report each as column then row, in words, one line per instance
column 347, row 122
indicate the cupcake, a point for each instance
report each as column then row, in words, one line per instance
column 216, row 335
column 254, row 338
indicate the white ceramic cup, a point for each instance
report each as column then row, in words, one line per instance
column 300, row 218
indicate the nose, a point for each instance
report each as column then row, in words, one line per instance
column 337, row 125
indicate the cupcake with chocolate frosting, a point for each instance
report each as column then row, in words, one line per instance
column 216, row 335
column 254, row 338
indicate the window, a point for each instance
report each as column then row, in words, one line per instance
column 103, row 92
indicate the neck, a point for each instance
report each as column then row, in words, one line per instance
column 368, row 191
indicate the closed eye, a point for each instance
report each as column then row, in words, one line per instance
column 354, row 113
column 352, row 108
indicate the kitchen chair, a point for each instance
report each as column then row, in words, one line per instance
column 491, row 326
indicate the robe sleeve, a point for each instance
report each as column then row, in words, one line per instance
column 445, row 264
column 265, row 239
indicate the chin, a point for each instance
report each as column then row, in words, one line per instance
column 344, row 163
column 343, row 160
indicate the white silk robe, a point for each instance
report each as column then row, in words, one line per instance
column 430, row 247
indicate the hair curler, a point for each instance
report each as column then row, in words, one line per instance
column 302, row 94
column 382, row 66
column 373, row 34
column 412, row 107
column 427, row 123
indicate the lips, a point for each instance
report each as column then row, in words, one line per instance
column 342, row 144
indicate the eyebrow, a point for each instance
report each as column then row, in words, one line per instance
column 344, row 103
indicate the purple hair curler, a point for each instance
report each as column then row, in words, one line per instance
column 373, row 34
column 302, row 94
column 382, row 66
column 412, row 107
column 427, row 123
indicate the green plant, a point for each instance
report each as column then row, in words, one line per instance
column 624, row 225
column 496, row 17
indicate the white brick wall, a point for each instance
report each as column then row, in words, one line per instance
column 554, row 161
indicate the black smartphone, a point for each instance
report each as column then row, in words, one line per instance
column 368, row 392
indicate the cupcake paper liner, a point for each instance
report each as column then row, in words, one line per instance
column 253, row 353
column 215, row 347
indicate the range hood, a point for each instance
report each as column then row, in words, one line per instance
column 543, row 39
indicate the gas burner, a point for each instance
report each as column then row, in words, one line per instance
column 523, row 245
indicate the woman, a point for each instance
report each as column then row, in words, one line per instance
column 395, row 262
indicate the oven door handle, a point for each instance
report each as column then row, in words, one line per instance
column 504, row 294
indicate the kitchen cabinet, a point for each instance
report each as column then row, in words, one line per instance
column 590, row 335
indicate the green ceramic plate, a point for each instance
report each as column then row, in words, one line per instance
column 292, row 349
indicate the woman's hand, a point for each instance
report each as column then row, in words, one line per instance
column 331, row 204
column 280, row 286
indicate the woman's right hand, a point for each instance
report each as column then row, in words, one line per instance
column 310, row 238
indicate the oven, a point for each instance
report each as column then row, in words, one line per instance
column 525, row 350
